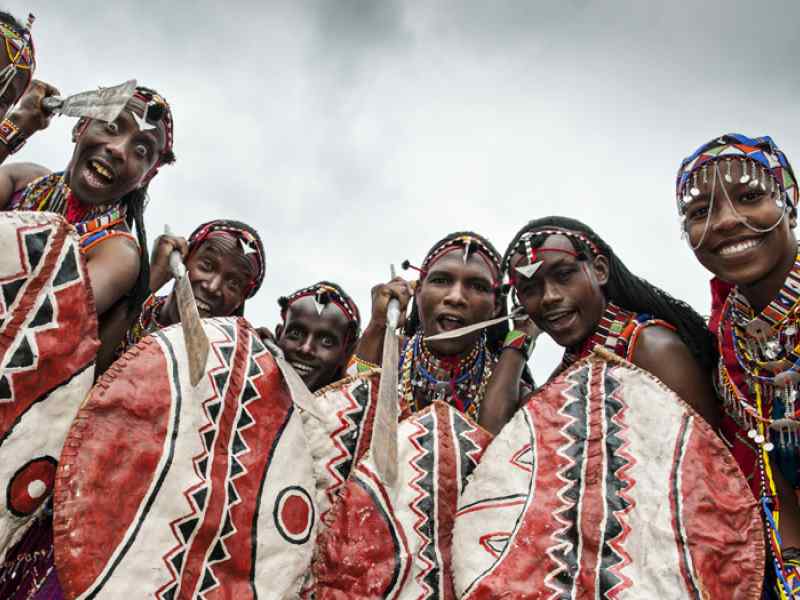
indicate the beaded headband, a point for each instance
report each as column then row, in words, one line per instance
column 324, row 293
column 525, row 247
column 468, row 242
column 20, row 51
column 768, row 167
column 249, row 243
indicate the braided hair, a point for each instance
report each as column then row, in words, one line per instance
column 624, row 288
column 327, row 291
column 495, row 334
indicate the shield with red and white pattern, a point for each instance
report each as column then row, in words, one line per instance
column 607, row 485
column 48, row 344
column 170, row 491
column 394, row 541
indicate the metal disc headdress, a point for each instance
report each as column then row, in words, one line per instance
column 762, row 167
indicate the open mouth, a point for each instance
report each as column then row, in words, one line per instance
column 302, row 369
column 203, row 308
column 735, row 248
column 450, row 322
column 98, row 174
column 559, row 321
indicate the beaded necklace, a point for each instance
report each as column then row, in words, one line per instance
column 462, row 382
column 757, row 379
column 146, row 323
column 609, row 334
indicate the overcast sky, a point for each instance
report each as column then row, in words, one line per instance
column 355, row 133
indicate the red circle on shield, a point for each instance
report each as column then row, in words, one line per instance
column 31, row 485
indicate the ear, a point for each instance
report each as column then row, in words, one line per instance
column 499, row 300
column 601, row 269
column 78, row 129
column 278, row 331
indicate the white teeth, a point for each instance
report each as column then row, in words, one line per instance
column 203, row 306
column 559, row 316
column 301, row 368
column 738, row 247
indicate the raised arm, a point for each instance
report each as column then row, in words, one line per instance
column 370, row 344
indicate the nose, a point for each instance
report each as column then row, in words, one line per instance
column 115, row 146
column 455, row 295
column 307, row 346
column 213, row 284
column 552, row 294
column 724, row 217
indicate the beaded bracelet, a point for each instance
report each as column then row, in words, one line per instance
column 520, row 341
column 11, row 136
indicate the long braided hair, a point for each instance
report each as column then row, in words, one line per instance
column 495, row 334
column 624, row 288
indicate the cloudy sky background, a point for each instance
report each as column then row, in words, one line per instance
column 355, row 133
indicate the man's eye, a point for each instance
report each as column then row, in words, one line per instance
column 112, row 128
column 563, row 274
column 695, row 213
column 328, row 342
column 142, row 151
column 293, row 334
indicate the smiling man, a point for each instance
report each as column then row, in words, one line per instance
column 459, row 285
column 737, row 198
column 226, row 265
column 319, row 330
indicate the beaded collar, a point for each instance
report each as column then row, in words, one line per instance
column 146, row 323
column 609, row 334
column 765, row 353
column 460, row 382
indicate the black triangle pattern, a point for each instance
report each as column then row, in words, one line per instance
column 23, row 356
column 209, row 581
column 202, row 466
column 200, row 498
column 5, row 389
column 177, row 561
column 68, row 270
column 213, row 410
column 254, row 369
column 233, row 495
column 187, row 528
column 238, row 445
column 248, row 393
column 227, row 527
column 169, row 594
column 44, row 315
column 220, row 378
column 218, row 553
column 35, row 243
column 236, row 468
column 10, row 291
column 245, row 420
column 227, row 354
column 208, row 439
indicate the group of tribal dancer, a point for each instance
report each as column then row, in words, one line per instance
column 737, row 199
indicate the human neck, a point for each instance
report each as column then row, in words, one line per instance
column 760, row 293
column 447, row 360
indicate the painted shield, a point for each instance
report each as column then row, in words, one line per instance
column 171, row 491
column 339, row 433
column 395, row 542
column 607, row 485
column 48, row 343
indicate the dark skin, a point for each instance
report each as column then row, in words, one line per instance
column 28, row 115
column 451, row 295
column 219, row 274
column 317, row 345
column 109, row 160
column 565, row 298
column 757, row 263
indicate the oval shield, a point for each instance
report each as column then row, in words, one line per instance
column 607, row 485
column 172, row 491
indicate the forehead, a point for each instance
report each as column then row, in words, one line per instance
column 226, row 249
column 553, row 242
column 304, row 310
column 139, row 108
column 453, row 263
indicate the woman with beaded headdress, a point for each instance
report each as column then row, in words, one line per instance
column 737, row 199
column 459, row 285
column 576, row 289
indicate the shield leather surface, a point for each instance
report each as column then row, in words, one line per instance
column 607, row 485
column 341, row 434
column 48, row 343
column 171, row 491
column 395, row 542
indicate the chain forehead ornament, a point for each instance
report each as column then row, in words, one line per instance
column 20, row 52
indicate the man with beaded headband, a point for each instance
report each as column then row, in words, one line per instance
column 459, row 286
column 102, row 192
column 320, row 325
column 226, row 264
column 737, row 199
column 573, row 286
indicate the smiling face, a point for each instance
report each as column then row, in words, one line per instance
column 111, row 159
column 318, row 345
column 220, row 275
column 455, row 294
column 565, row 296
column 732, row 247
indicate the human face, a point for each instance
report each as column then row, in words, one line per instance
column 733, row 248
column 220, row 276
column 111, row 159
column 317, row 345
column 565, row 296
column 455, row 294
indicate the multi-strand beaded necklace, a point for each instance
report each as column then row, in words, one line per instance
column 461, row 382
column 758, row 378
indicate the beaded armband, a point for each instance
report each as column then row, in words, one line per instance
column 520, row 341
column 11, row 136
